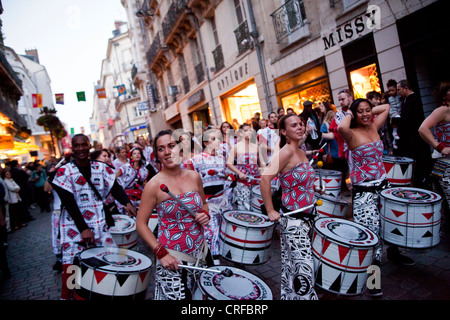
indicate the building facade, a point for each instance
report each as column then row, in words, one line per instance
column 224, row 60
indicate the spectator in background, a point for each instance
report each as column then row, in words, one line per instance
column 395, row 101
column 21, row 178
column 375, row 98
column 280, row 112
column 38, row 178
column 14, row 201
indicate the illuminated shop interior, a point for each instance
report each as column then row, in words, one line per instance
column 242, row 105
column 364, row 80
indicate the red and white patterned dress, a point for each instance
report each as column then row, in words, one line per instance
column 367, row 163
column 298, row 186
column 442, row 132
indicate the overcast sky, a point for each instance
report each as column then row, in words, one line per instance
column 71, row 37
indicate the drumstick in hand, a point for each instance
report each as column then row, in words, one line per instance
column 164, row 188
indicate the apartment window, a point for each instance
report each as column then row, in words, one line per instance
column 349, row 3
column 239, row 13
column 184, row 74
column 214, row 30
column 137, row 112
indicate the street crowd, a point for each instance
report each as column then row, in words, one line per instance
column 274, row 153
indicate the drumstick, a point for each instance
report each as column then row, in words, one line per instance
column 301, row 209
column 164, row 188
column 225, row 272
column 321, row 148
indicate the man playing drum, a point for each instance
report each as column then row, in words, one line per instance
column 84, row 222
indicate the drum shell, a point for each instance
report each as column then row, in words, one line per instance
column 245, row 243
column 410, row 224
column 332, row 180
column 99, row 284
column 341, row 267
column 399, row 170
column 208, row 288
column 256, row 199
column 331, row 207
column 126, row 238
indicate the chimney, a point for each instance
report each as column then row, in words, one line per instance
column 34, row 53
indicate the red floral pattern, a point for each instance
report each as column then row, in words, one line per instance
column 297, row 186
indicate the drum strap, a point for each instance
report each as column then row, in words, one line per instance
column 188, row 258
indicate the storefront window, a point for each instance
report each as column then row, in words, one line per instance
column 316, row 93
column 242, row 105
column 364, row 80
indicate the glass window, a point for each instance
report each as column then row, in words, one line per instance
column 364, row 80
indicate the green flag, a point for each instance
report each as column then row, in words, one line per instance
column 72, row 130
column 81, row 96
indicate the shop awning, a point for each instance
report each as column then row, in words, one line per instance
column 18, row 149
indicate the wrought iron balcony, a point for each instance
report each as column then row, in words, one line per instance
column 200, row 72
column 218, row 58
column 242, row 37
column 176, row 9
column 288, row 18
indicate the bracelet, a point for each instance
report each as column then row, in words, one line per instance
column 439, row 147
column 349, row 114
column 160, row 252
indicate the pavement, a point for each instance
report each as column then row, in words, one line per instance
column 30, row 260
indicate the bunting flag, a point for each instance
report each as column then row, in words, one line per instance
column 81, row 96
column 121, row 89
column 72, row 130
column 101, row 93
column 82, row 129
column 59, row 97
column 37, row 100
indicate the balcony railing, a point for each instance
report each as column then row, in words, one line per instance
column 176, row 9
column 200, row 72
column 288, row 18
column 242, row 37
column 218, row 58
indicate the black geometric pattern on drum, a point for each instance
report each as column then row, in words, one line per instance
column 297, row 271
column 242, row 197
column 230, row 256
column 337, row 283
column 85, row 294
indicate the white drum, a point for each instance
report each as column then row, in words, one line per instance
column 342, row 252
column 153, row 221
column 246, row 237
column 332, row 180
column 256, row 199
column 399, row 170
column 107, row 273
column 410, row 217
column 242, row 285
column 331, row 206
column 124, row 231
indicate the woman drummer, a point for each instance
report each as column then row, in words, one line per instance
column 180, row 235
column 359, row 129
column 133, row 176
column 296, row 176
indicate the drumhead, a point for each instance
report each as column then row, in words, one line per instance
column 112, row 259
column 326, row 172
column 123, row 224
column 345, row 232
column 247, row 219
column 410, row 195
column 242, row 285
column 395, row 159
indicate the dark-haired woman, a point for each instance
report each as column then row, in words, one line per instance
column 296, row 176
column 249, row 158
column 133, row 176
column 359, row 129
column 180, row 235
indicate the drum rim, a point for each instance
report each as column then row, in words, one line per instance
column 115, row 271
column 438, row 199
column 353, row 245
column 267, row 223
column 234, row 271
column 331, row 196
column 388, row 158
column 123, row 231
column 327, row 170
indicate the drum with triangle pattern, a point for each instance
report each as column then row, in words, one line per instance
column 246, row 237
column 109, row 273
column 410, row 217
column 124, row 231
column 342, row 252
column 399, row 170
column 331, row 179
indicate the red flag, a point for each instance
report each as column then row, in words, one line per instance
column 101, row 93
column 37, row 100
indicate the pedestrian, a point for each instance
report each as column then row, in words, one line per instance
column 249, row 158
column 345, row 98
column 280, row 112
column 269, row 140
column 82, row 185
column 133, row 176
column 121, row 159
column 375, row 99
column 21, row 178
column 331, row 150
column 313, row 125
column 410, row 143
column 14, row 201
column 180, row 238
column 296, row 176
column 38, row 178
column 360, row 129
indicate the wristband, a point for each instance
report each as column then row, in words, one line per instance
column 439, row 147
column 160, row 252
